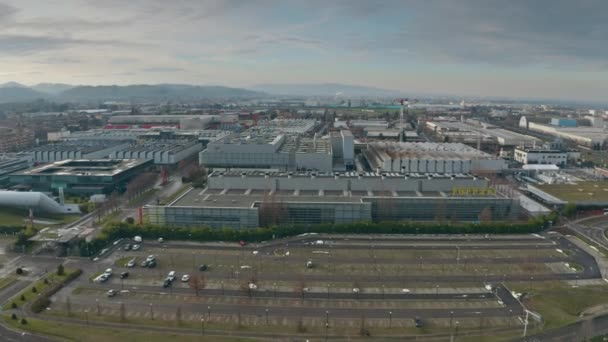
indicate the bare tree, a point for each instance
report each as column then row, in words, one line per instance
column 197, row 283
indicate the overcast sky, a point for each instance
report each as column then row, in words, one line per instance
column 532, row 48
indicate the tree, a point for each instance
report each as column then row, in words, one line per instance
column 60, row 270
column 197, row 283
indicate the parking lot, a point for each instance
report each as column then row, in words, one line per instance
column 326, row 285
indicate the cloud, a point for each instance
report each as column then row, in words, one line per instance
column 19, row 45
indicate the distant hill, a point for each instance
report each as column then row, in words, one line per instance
column 12, row 85
column 153, row 92
column 15, row 92
column 19, row 94
column 324, row 89
column 51, row 88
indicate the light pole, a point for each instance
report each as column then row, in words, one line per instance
column 151, row 311
column 274, row 287
column 266, row 316
column 390, row 319
column 208, row 312
column 451, row 318
column 437, row 289
column 326, row 330
column 458, row 255
column 203, row 326
column 222, row 282
column 86, row 314
column 382, row 291
column 326, row 317
column 328, row 290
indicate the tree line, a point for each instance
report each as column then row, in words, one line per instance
column 148, row 231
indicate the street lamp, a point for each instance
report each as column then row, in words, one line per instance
column 208, row 312
column 86, row 314
column 326, row 317
column 266, row 316
column 328, row 290
column 274, row 287
column 222, row 282
column 390, row 319
column 326, row 330
column 203, row 326
column 151, row 311
column 383, row 291
column 451, row 318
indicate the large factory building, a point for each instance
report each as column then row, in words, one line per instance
column 256, row 198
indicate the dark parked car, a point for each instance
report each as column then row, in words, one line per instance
column 124, row 275
column 166, row 283
column 418, row 322
column 203, row 267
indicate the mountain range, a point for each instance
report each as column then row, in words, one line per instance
column 15, row 92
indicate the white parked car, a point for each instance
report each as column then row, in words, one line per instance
column 137, row 239
column 108, row 272
column 135, row 247
column 171, row 276
column 185, row 278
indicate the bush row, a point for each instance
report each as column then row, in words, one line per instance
column 125, row 230
column 43, row 301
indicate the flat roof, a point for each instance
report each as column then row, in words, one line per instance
column 85, row 167
column 581, row 192
column 308, row 174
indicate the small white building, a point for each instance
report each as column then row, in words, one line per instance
column 544, row 156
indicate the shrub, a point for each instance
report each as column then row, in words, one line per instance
column 19, row 271
column 23, row 321
column 40, row 304
column 22, row 298
column 46, row 281
column 13, row 305
column 60, row 270
column 34, row 289
column 14, row 317
column 130, row 220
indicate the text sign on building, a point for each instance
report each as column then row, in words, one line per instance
column 473, row 192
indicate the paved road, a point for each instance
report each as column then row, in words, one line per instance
column 579, row 331
column 511, row 308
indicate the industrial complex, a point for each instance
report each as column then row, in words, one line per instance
column 250, row 199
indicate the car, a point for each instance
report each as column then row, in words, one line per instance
column 145, row 263
column 135, row 247
column 150, row 257
column 124, row 275
column 131, row 263
column 127, row 247
column 309, row 264
column 111, row 293
column 108, row 272
column 203, row 267
column 171, row 276
column 166, row 283
column 418, row 322
column 152, row 264
column 102, row 278
column 137, row 239
column 161, row 240
column 185, row 278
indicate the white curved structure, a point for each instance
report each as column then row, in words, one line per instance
column 35, row 201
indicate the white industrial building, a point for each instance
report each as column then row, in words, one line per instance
column 593, row 137
column 288, row 126
column 78, row 149
column 251, row 199
column 430, row 158
column 162, row 152
column 36, row 201
column 474, row 131
column 268, row 149
column 544, row 156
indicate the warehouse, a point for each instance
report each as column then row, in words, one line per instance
column 593, row 137
column 474, row 132
column 430, row 158
column 269, row 149
column 162, row 152
column 78, row 149
column 81, row 176
column 256, row 198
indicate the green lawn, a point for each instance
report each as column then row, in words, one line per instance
column 5, row 282
column 16, row 217
column 560, row 304
column 40, row 285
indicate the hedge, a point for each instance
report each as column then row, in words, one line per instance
column 125, row 230
column 43, row 301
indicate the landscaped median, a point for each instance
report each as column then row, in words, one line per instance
column 37, row 295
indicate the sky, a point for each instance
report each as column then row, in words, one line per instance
column 517, row 48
